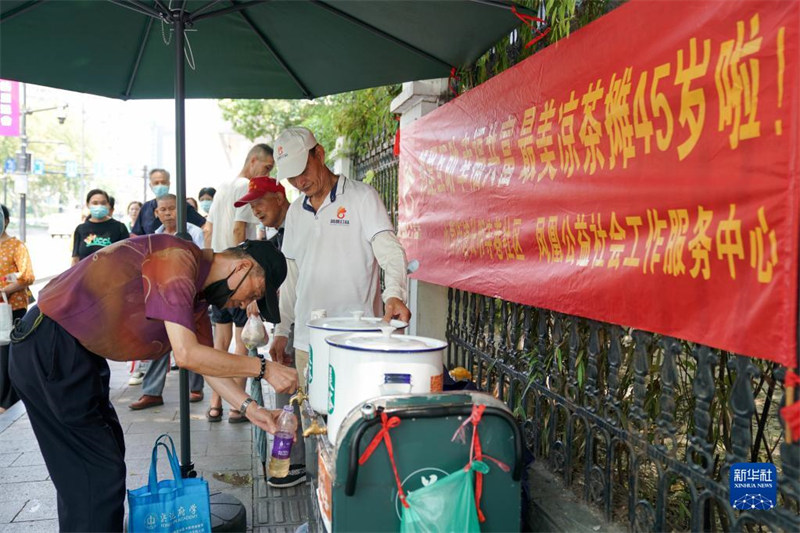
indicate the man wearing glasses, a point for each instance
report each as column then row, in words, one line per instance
column 136, row 299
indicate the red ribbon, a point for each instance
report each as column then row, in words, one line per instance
column 527, row 20
column 791, row 416
column 396, row 149
column 477, row 454
column 791, row 379
column 452, row 82
column 383, row 435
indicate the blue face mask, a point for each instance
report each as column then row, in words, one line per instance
column 98, row 211
column 160, row 190
column 205, row 205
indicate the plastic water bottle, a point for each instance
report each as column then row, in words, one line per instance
column 282, row 443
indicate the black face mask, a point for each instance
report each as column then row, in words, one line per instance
column 218, row 293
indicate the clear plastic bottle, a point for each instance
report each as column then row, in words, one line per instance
column 282, row 443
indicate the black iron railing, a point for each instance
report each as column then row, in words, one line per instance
column 378, row 167
column 644, row 427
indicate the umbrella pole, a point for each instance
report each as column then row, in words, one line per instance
column 187, row 467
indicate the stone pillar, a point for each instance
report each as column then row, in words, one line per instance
column 428, row 302
column 342, row 159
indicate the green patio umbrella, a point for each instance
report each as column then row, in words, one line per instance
column 240, row 49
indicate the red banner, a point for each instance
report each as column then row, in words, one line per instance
column 643, row 171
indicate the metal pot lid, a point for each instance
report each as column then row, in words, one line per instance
column 357, row 322
column 385, row 343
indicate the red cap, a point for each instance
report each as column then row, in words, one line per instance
column 259, row 187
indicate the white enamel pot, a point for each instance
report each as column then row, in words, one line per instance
column 361, row 363
column 319, row 330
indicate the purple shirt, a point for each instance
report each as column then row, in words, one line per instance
column 115, row 301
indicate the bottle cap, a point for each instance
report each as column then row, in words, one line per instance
column 288, row 408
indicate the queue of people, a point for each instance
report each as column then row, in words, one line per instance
column 146, row 293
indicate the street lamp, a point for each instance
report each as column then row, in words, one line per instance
column 24, row 157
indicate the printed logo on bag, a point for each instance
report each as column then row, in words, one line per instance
column 341, row 217
column 753, row 486
column 331, row 389
column 416, row 480
column 150, row 521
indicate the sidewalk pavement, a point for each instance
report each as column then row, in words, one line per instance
column 222, row 454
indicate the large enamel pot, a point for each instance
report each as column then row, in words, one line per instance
column 321, row 328
column 362, row 364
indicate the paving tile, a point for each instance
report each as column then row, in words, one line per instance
column 6, row 459
column 229, row 480
column 263, row 490
column 230, row 448
column 31, row 458
column 151, row 427
column 226, row 435
column 224, row 462
column 25, row 491
column 10, row 509
column 38, row 509
column 39, row 526
column 141, row 467
column 275, row 529
column 17, row 445
column 23, row 474
column 281, row 512
column 23, row 433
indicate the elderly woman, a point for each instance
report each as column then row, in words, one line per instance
column 16, row 275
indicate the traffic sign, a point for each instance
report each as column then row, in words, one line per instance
column 10, row 165
column 23, row 162
column 72, row 169
column 38, row 167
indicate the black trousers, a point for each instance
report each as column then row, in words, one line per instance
column 65, row 390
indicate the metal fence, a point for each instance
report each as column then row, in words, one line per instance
column 378, row 167
column 642, row 426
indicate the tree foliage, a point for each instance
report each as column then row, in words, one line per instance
column 358, row 115
column 53, row 143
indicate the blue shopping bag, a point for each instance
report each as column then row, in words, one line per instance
column 170, row 505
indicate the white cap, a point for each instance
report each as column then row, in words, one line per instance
column 291, row 151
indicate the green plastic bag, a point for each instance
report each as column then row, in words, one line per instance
column 446, row 506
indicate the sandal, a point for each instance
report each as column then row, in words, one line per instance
column 214, row 418
column 236, row 417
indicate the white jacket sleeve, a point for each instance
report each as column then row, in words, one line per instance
column 286, row 302
column 392, row 258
